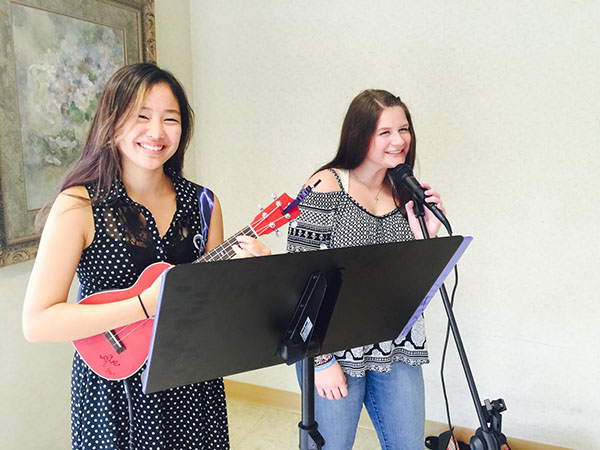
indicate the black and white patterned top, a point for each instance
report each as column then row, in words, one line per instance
column 337, row 220
column 117, row 414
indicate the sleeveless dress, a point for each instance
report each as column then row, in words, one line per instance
column 336, row 220
column 117, row 414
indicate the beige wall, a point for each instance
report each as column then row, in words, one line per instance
column 34, row 391
column 504, row 99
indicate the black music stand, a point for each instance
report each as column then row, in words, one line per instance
column 227, row 317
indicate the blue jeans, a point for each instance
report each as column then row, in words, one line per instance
column 395, row 402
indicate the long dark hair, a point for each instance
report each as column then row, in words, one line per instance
column 121, row 98
column 358, row 129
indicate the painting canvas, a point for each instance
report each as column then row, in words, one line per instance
column 57, row 58
column 61, row 65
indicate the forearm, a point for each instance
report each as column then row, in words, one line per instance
column 68, row 322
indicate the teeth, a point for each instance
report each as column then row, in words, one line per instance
column 151, row 147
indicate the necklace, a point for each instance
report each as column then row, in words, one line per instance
column 376, row 196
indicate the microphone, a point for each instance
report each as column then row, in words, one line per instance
column 403, row 174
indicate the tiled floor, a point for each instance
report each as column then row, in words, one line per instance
column 254, row 427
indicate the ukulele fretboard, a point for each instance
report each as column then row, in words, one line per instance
column 225, row 250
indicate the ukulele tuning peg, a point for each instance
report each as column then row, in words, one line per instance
column 277, row 233
column 273, row 196
column 260, row 208
column 293, row 224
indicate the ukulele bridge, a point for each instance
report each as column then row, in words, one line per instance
column 114, row 341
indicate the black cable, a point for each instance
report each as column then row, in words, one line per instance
column 420, row 214
column 444, row 356
column 129, row 396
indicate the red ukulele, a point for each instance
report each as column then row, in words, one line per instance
column 119, row 353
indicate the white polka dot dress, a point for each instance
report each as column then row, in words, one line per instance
column 117, row 414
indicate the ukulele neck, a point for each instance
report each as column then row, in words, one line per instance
column 225, row 251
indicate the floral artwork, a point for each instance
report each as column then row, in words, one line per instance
column 62, row 64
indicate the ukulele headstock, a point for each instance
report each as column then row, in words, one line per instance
column 275, row 215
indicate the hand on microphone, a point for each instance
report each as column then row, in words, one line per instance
column 434, row 214
column 432, row 222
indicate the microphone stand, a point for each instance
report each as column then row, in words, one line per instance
column 489, row 435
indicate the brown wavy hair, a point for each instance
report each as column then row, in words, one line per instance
column 357, row 132
column 121, row 98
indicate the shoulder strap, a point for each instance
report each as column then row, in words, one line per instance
column 342, row 177
column 206, row 200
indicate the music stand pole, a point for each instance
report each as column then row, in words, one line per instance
column 310, row 438
column 485, row 438
column 300, row 342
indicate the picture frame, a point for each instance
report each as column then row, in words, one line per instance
column 57, row 58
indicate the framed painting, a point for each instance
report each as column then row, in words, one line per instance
column 54, row 60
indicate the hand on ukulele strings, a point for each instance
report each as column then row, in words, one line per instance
column 248, row 247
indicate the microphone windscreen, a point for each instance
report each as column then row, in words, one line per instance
column 401, row 171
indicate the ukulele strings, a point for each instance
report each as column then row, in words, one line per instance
column 129, row 331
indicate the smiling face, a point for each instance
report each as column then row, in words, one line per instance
column 391, row 141
column 151, row 135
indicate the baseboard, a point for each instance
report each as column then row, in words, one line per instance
column 290, row 401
